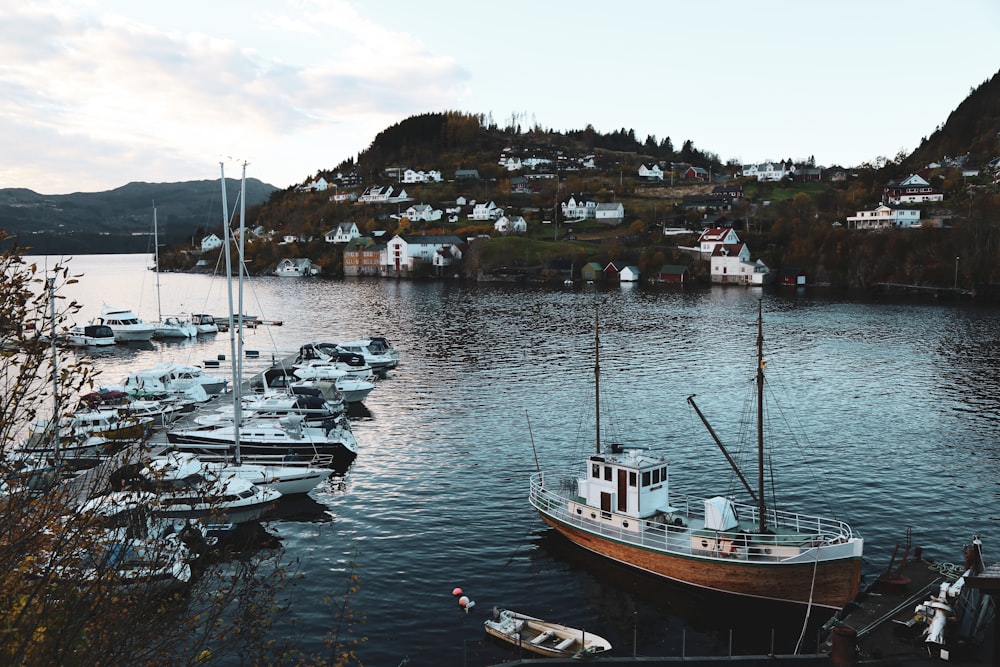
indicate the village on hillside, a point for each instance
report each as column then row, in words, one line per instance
column 406, row 253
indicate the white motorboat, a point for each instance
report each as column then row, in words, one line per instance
column 204, row 323
column 163, row 409
column 288, row 480
column 126, row 325
column 175, row 327
column 186, row 490
column 376, row 350
column 277, row 403
column 336, row 385
column 169, row 378
column 90, row 335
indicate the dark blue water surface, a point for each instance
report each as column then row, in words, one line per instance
column 887, row 416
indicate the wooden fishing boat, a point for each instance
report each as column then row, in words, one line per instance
column 625, row 507
column 543, row 637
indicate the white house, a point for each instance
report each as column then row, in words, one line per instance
column 514, row 224
column 296, row 268
column 211, row 242
column 430, row 176
column 611, row 213
column 342, row 233
column 510, row 163
column 423, row 212
column 404, row 252
column 884, row 217
column 653, row 173
column 913, row 189
column 485, row 211
column 731, row 265
column 343, row 196
column 579, row 207
column 716, row 236
column 769, row 171
column 379, row 194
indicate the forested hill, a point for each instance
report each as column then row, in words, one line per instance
column 972, row 129
column 454, row 140
column 119, row 220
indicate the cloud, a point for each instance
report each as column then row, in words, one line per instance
column 105, row 96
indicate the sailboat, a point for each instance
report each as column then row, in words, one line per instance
column 625, row 507
column 171, row 326
column 227, row 440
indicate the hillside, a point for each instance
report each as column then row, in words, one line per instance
column 972, row 129
column 119, row 220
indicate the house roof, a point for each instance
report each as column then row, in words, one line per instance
column 673, row 269
column 728, row 249
column 431, row 239
column 714, row 234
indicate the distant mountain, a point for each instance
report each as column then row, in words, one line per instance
column 120, row 220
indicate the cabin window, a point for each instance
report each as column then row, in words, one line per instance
column 595, row 471
column 607, row 473
column 663, row 473
column 645, row 478
column 656, row 476
column 633, row 479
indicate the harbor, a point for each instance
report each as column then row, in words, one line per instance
column 438, row 494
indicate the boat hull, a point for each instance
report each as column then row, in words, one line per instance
column 829, row 584
column 341, row 456
column 551, row 640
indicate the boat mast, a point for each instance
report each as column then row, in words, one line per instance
column 156, row 261
column 227, row 232
column 761, row 505
column 597, row 378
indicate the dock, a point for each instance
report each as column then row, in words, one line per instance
column 879, row 626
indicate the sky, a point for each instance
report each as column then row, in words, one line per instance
column 95, row 94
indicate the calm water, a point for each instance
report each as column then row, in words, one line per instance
column 892, row 413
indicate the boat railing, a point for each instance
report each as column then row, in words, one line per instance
column 551, row 495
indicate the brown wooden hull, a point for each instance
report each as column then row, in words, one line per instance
column 829, row 583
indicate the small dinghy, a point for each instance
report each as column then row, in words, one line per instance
column 549, row 639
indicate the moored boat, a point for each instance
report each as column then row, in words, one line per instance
column 90, row 335
column 625, row 507
column 376, row 350
column 204, row 323
column 552, row 640
column 126, row 325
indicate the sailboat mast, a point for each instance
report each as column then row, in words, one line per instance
column 238, row 358
column 597, row 378
column 227, row 232
column 156, row 263
column 761, row 505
